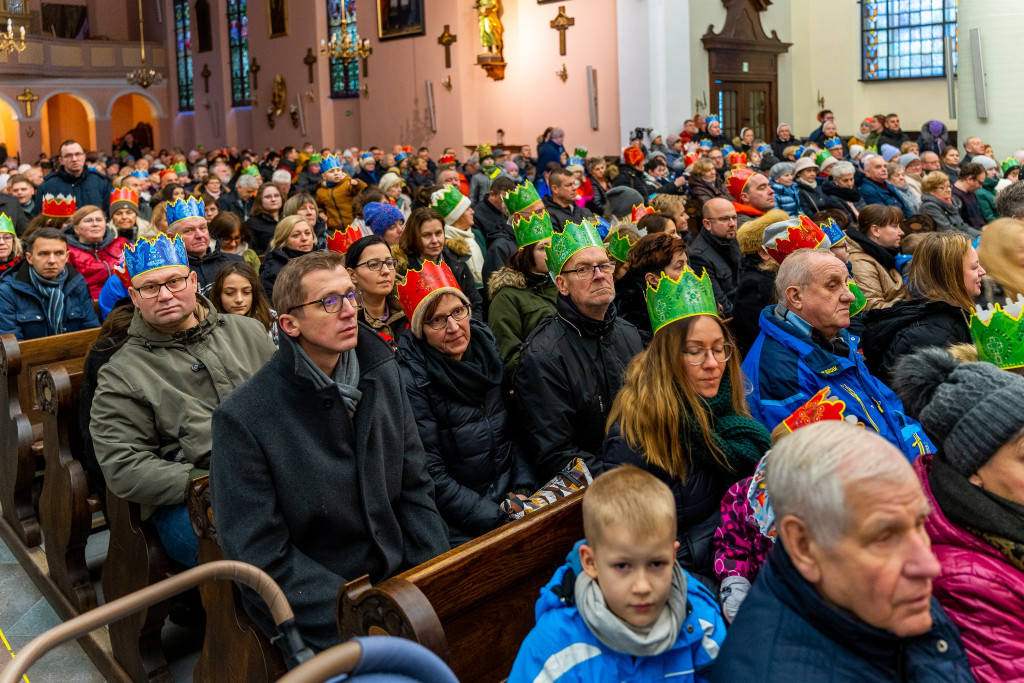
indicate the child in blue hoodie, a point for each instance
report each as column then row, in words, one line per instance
column 622, row 609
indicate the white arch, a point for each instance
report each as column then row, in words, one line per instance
column 13, row 105
column 90, row 108
column 158, row 110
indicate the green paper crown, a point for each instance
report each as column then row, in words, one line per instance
column 686, row 297
column 521, row 197
column 6, row 225
column 999, row 335
column 859, row 300
column 619, row 245
column 576, row 236
column 580, row 152
column 315, row 158
column 447, row 201
column 533, row 230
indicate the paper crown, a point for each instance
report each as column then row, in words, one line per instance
column 180, row 168
column 638, row 213
column 6, row 224
column 833, row 141
column 859, row 300
column 728, row 149
column 166, row 172
column 121, row 270
column 736, row 159
column 684, row 297
column 817, row 409
column 124, row 194
column 450, row 203
column 252, row 170
column 763, row 149
column 400, row 157
column 328, row 162
column 690, row 159
column 59, row 206
column 180, row 209
column 580, row 152
column 802, row 150
column 144, row 175
column 365, row 156
column 805, row 235
column 419, row 284
column 446, row 159
column 713, row 119
column 706, row 143
column 532, row 230
column 832, row 231
column 619, row 245
column 407, row 149
column 315, row 158
column 575, row 161
column 633, row 155
column 999, row 335
column 1010, row 164
column 520, row 197
column 736, row 180
column 484, row 150
column 340, row 240
column 821, row 156
column 573, row 238
column 153, row 253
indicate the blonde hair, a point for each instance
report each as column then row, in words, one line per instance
column 933, row 181
column 937, row 269
column 666, row 202
column 631, row 497
column 997, row 254
column 656, row 387
column 701, row 166
column 159, row 216
column 284, row 230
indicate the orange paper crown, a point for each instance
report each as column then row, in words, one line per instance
column 639, row 212
column 60, row 206
column 446, row 159
column 421, row 283
column 817, row 409
column 633, row 155
column 124, row 194
column 407, row 149
column 736, row 159
column 341, row 240
column 736, row 181
column 807, row 235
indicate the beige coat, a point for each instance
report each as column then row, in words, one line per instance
column 882, row 288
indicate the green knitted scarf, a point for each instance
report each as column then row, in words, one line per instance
column 742, row 440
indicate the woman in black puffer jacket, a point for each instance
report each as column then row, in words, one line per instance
column 453, row 375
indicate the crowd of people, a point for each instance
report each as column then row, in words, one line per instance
column 791, row 368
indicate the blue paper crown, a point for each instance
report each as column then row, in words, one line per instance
column 833, row 142
column 728, row 149
column 763, row 149
column 140, row 174
column 705, row 143
column 713, row 119
column 150, row 254
column 575, row 161
column 185, row 208
column 328, row 162
column 400, row 157
column 832, row 231
column 365, row 156
column 801, row 150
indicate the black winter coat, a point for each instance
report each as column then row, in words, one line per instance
column 460, row 269
column 317, row 498
column 262, row 227
column 472, row 454
column 275, row 261
column 570, row 370
column 906, row 327
column 779, row 146
column 90, row 187
column 498, row 236
column 756, row 290
column 560, row 215
column 230, row 201
column 631, row 304
column 207, row 266
column 598, row 202
column 811, row 198
column 721, row 258
column 630, row 177
column 840, row 198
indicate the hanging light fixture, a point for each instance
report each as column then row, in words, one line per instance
column 144, row 76
column 346, row 50
column 8, row 42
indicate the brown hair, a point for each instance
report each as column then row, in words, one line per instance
column 631, row 497
column 701, row 166
column 224, row 225
column 522, row 260
column 288, row 289
column 84, row 211
column 933, row 181
column 257, row 203
column 410, row 240
column 946, row 151
column 653, row 253
column 260, row 309
column 937, row 269
column 878, row 214
column 655, row 223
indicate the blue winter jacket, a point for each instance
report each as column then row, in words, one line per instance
column 112, row 292
column 561, row 648
column 23, row 310
column 786, row 368
column 547, row 152
column 787, row 198
column 873, row 193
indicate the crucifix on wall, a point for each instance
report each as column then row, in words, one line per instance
column 309, row 60
column 28, row 97
column 446, row 39
column 561, row 23
column 254, row 69
column 206, row 73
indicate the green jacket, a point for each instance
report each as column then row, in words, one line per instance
column 986, row 195
column 517, row 306
column 150, row 417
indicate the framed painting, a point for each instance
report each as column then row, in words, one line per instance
column 277, row 18
column 400, row 19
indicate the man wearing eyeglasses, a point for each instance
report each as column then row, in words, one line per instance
column 319, row 476
column 204, row 259
column 73, row 177
column 716, row 250
column 571, row 365
column 150, row 418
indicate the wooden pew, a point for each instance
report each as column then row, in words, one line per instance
column 235, row 649
column 474, row 605
column 21, row 425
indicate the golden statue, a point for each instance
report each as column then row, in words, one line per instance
column 490, row 26
column 278, row 95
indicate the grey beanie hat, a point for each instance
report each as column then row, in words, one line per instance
column 622, row 199
column 970, row 410
column 780, row 169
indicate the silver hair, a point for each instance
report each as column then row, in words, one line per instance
column 842, row 168
column 796, row 271
column 281, row 176
column 809, row 472
column 247, row 181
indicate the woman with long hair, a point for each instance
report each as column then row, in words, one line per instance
column 945, row 275
column 874, row 243
column 950, row 158
column 682, row 413
column 303, row 204
column 1001, row 254
column 373, row 269
column 264, row 216
column 597, row 169
column 237, row 290
column 423, row 240
column 233, row 237
column 293, row 237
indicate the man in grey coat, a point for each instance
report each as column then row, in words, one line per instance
column 318, row 475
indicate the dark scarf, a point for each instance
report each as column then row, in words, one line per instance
column 886, row 257
column 847, row 194
column 469, row 379
column 994, row 519
column 52, row 291
column 742, row 440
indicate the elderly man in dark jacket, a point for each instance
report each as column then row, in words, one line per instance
column 319, row 475
column 76, row 179
column 846, row 592
column 571, row 365
column 716, row 250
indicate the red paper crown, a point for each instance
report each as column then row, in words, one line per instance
column 124, row 194
column 817, row 409
column 639, row 212
column 691, row 158
column 633, row 155
column 736, row 181
column 420, row 283
column 121, row 270
column 736, row 159
column 341, row 240
column 446, row 159
column 167, row 171
column 805, row 236
column 407, row 149
column 61, row 206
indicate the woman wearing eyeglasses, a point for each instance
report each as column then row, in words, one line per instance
column 453, row 377
column 292, row 237
column 372, row 268
column 682, row 414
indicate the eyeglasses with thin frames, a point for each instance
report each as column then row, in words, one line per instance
column 439, row 322
column 332, row 303
column 696, row 355
column 377, row 263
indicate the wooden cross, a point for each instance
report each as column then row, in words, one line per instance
column 309, row 60
column 206, row 73
column 254, row 69
column 561, row 23
column 446, row 39
column 28, row 97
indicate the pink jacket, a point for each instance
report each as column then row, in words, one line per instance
column 982, row 593
column 740, row 547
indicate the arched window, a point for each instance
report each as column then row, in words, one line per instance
column 238, row 47
column 183, row 50
column 903, row 38
column 341, row 19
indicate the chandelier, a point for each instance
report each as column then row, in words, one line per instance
column 144, row 76
column 346, row 49
column 7, row 41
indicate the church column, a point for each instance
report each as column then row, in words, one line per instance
column 999, row 22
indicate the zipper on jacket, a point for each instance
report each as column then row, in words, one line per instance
column 867, row 414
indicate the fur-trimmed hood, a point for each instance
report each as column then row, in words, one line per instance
column 458, row 245
column 506, row 277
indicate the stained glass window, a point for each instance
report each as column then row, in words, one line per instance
column 341, row 19
column 238, row 48
column 903, row 38
column 183, row 50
